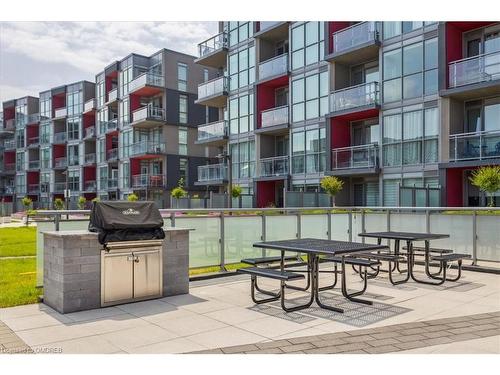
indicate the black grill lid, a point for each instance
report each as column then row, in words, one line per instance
column 126, row 221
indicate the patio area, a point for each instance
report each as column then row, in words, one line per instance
column 218, row 316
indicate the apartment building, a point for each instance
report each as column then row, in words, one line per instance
column 402, row 112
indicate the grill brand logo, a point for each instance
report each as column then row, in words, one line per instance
column 130, row 211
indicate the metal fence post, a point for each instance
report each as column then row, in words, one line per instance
column 350, row 225
column 428, row 221
column 329, row 221
column 299, row 226
column 222, row 243
column 388, row 220
column 263, row 236
column 363, row 230
column 57, row 218
column 172, row 219
column 474, row 238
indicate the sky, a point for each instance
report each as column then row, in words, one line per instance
column 36, row 56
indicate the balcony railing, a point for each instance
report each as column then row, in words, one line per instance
column 45, row 164
column 89, row 105
column 363, row 156
column 475, row 146
column 275, row 166
column 113, row 95
column 273, row 67
column 213, row 44
column 90, row 186
column 60, row 112
column 481, row 68
column 34, row 164
column 354, row 36
column 146, row 79
column 89, row 159
column 44, row 138
column 148, row 180
column 33, row 118
column 354, row 97
column 216, row 86
column 274, row 116
column 60, row 137
column 213, row 130
column 10, row 144
column 112, row 183
column 89, row 132
column 9, row 189
column 73, row 160
column 61, row 162
column 146, row 147
column 112, row 125
column 148, row 112
column 59, row 187
column 10, row 125
column 112, row 154
column 212, row 172
column 33, row 188
column 33, row 141
column 9, row 167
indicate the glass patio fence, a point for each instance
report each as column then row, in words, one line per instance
column 481, row 68
column 475, row 146
column 146, row 79
column 362, row 156
column 213, row 130
column 148, row 112
column 354, row 97
column 148, row 180
column 147, row 147
column 354, row 36
column 212, row 172
column 216, row 86
column 213, row 44
column 273, row 67
column 274, row 116
column 275, row 166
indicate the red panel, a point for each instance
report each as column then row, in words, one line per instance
column 334, row 27
column 265, row 193
column 88, row 119
column 33, row 178
column 89, row 173
column 454, row 187
column 31, row 131
column 265, row 100
column 9, row 113
column 89, row 196
column 148, row 91
column 58, row 101
column 9, row 157
column 135, row 102
column 468, row 25
column 135, row 167
column 356, row 116
column 58, row 151
column 6, row 199
column 108, row 86
column 340, row 135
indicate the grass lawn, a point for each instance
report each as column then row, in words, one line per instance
column 17, row 241
column 17, row 282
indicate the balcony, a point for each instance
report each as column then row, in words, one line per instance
column 147, row 84
column 61, row 162
column 34, row 118
column 9, row 145
column 362, row 159
column 89, row 106
column 147, row 149
column 89, row 159
column 45, row 164
column 89, row 132
column 148, row 181
column 112, row 155
column 213, row 93
column 475, row 146
column 474, row 77
column 33, row 142
column 90, row 186
column 213, row 52
column 274, row 119
column 112, row 96
column 9, row 168
column 112, row 183
column 112, row 125
column 44, row 139
column 60, row 137
column 273, row 68
column 214, row 133
column 33, row 188
column 34, row 164
column 272, row 30
column 212, row 174
column 148, row 117
column 60, row 113
column 274, row 167
column 359, row 42
column 9, row 125
column 355, row 99
column 73, row 160
column 59, row 187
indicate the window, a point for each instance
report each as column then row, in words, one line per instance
column 431, row 133
column 74, row 103
column 310, row 97
column 241, row 118
column 45, row 158
column 183, row 109
column 182, row 72
column 125, row 77
column 391, row 188
column 101, row 121
column 125, row 143
column 183, row 140
column 391, row 29
column 44, row 182
column 45, row 106
column 126, row 175
column 100, row 91
column 21, row 115
column 21, row 184
column 20, row 140
column 183, row 170
column 242, row 68
column 45, row 132
column 239, row 32
column 124, row 112
column 243, row 159
column 74, row 180
column 20, row 157
column 308, row 151
column 411, row 25
column 392, row 72
column 412, row 136
column 392, row 139
column 72, row 155
column 101, row 150
column 103, row 178
column 307, row 44
column 73, row 128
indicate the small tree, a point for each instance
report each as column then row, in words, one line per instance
column 332, row 185
column 96, row 199
column 27, row 202
column 236, row 191
column 179, row 191
column 82, row 201
column 487, row 179
column 58, row 204
column 132, row 198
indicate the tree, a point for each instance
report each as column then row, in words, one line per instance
column 236, row 191
column 132, row 198
column 27, row 202
column 487, row 179
column 58, row 204
column 332, row 185
column 179, row 191
column 82, row 201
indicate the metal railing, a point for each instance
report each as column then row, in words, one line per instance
column 60, row 137
column 217, row 86
column 33, row 118
column 10, row 144
column 89, row 132
column 213, row 44
column 475, row 145
column 148, row 112
column 212, row 172
column 89, row 159
column 34, row 164
column 112, row 125
column 33, row 188
column 33, row 141
column 9, row 167
column 275, row 166
column 113, row 95
column 474, row 69
column 73, row 160
column 112, row 183
column 147, row 147
column 274, row 116
column 148, row 180
column 90, row 185
column 274, row 67
column 354, row 36
column 44, row 187
column 216, row 129
column 354, row 97
column 362, row 156
column 45, row 163
column 89, row 105
column 61, row 162
column 59, row 187
column 45, row 138
column 60, row 112
column 112, row 154
column 146, row 79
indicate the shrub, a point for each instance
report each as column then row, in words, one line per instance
column 27, row 202
column 487, row 179
column 96, row 199
column 132, row 197
column 82, row 201
column 179, row 191
column 58, row 204
column 236, row 191
column 332, row 185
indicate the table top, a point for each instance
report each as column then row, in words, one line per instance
column 406, row 236
column 318, row 246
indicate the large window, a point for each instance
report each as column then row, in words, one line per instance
column 21, row 115
column 182, row 72
column 74, row 103
column 74, row 180
column 20, row 140
column 100, row 91
column 72, row 155
column 45, row 132
column 45, row 106
column 124, row 112
column 183, row 140
column 239, row 32
column 73, row 128
column 310, row 97
column 307, row 44
column 242, row 68
column 126, row 141
column 45, row 158
column 101, row 150
column 241, row 114
column 21, row 184
column 395, row 28
column 243, row 159
column 183, row 109
column 125, row 77
column 20, row 157
column 183, row 170
column 308, row 151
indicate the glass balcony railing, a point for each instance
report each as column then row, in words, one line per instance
column 61, row 162
column 213, row 130
column 44, row 187
column 60, row 137
column 363, row 156
column 148, row 180
column 112, row 183
column 89, row 105
column 275, row 166
column 475, row 146
column 112, row 125
column 10, row 144
column 146, row 79
column 34, row 164
column 274, row 116
column 59, row 187
column 89, row 159
column 113, row 95
column 90, row 185
column 60, row 112
column 10, row 125
column 9, row 167
column 481, row 68
column 73, row 160
column 112, row 154
column 9, row 190
column 33, row 118
column 273, row 67
column 33, row 141
column 214, row 87
column 147, row 147
column 148, row 112
column 354, row 97
column 212, row 172
column 354, row 36
column 45, row 164
column 44, row 138
column 213, row 44
column 90, row 132
column 33, row 188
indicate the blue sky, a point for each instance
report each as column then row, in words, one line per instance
column 35, row 56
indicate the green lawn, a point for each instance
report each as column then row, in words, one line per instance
column 17, row 241
column 18, row 282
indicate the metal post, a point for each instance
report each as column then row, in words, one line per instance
column 57, row 218
column 299, row 226
column 350, row 225
column 230, row 181
column 474, row 238
column 388, row 220
column 427, row 221
column 329, row 220
column 222, row 243
column 263, row 230
column 172, row 219
column 363, row 230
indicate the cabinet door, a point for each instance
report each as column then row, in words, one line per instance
column 147, row 271
column 118, row 277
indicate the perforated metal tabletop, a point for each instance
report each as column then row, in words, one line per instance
column 405, row 236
